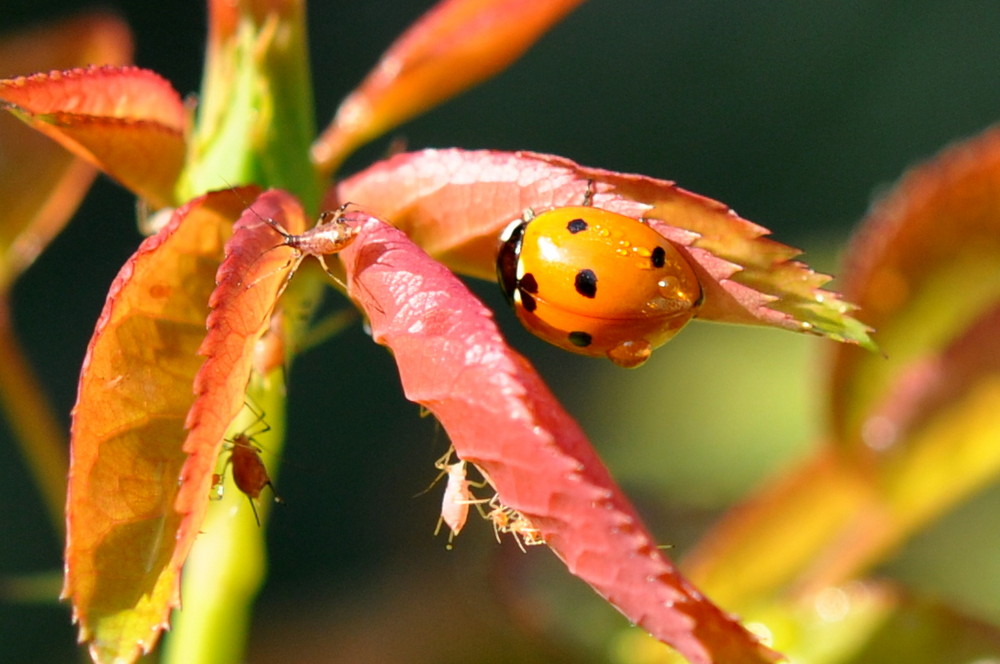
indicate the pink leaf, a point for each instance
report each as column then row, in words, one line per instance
column 455, row 203
column 501, row 417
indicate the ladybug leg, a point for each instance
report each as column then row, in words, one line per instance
column 588, row 197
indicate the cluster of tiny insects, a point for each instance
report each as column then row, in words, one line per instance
column 458, row 498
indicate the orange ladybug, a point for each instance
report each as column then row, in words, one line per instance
column 596, row 282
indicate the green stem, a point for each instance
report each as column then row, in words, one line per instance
column 256, row 125
column 33, row 421
column 227, row 565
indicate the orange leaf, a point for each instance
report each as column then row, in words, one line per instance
column 500, row 416
column 804, row 510
column 128, row 426
column 454, row 46
column 96, row 37
column 127, row 121
column 454, row 203
column 914, row 432
column 923, row 267
column 40, row 183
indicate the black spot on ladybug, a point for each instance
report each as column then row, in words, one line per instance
column 528, row 283
column 586, row 283
column 528, row 302
column 577, row 226
column 579, row 339
column 659, row 257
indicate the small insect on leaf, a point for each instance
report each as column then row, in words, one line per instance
column 331, row 234
column 135, row 390
column 457, row 494
column 508, row 520
column 249, row 471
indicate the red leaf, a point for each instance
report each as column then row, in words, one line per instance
column 128, row 425
column 501, row 416
column 454, row 204
column 127, row 121
column 249, row 280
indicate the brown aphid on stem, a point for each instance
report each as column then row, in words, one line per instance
column 249, row 472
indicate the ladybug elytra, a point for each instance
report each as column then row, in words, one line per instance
column 596, row 282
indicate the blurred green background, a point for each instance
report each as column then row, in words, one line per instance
column 795, row 114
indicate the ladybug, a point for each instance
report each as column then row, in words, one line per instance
column 596, row 282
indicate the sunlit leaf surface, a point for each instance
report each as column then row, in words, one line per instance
column 127, row 121
column 128, row 429
column 249, row 282
column 746, row 277
column 40, row 182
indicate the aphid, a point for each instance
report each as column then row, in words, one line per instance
column 455, row 503
column 330, row 235
column 458, row 498
column 596, row 282
column 457, row 495
column 508, row 520
column 249, row 472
